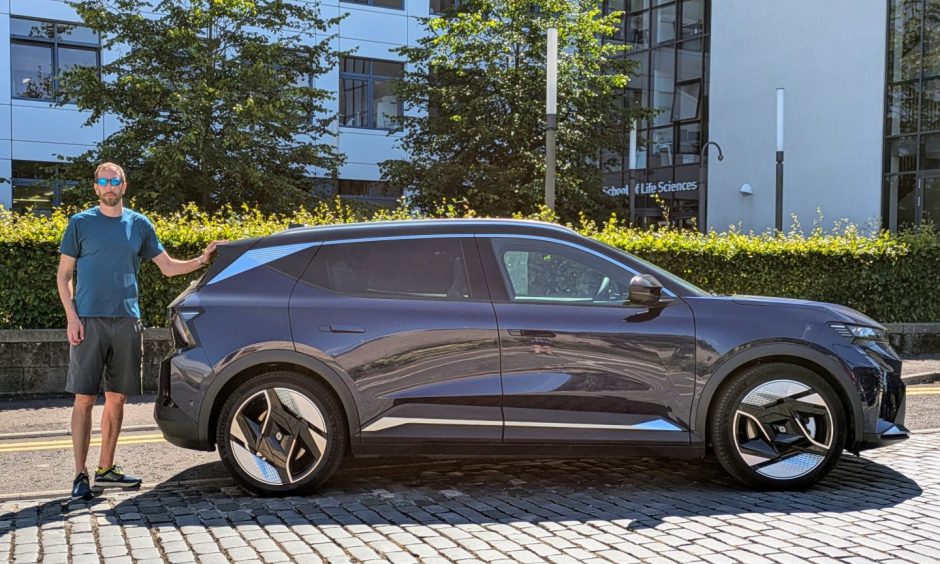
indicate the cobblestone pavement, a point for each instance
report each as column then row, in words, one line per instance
column 882, row 507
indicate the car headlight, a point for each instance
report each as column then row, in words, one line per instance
column 860, row 332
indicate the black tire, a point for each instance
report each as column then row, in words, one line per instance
column 784, row 437
column 264, row 454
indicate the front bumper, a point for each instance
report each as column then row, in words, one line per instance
column 884, row 397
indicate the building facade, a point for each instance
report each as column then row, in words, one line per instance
column 41, row 37
column 861, row 122
column 861, row 82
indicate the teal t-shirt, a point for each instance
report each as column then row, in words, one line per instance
column 108, row 252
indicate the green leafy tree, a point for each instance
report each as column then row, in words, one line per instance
column 215, row 100
column 474, row 96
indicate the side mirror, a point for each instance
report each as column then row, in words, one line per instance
column 645, row 290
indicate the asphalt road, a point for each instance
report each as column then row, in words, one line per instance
column 36, row 455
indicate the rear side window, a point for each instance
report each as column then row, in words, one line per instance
column 400, row 268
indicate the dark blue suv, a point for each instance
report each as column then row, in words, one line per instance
column 501, row 337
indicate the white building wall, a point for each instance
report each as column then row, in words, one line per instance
column 38, row 131
column 830, row 58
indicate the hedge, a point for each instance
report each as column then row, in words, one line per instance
column 893, row 278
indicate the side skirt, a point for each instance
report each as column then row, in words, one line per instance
column 517, row 450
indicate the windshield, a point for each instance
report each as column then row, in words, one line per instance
column 663, row 275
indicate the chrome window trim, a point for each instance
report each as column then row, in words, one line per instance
column 666, row 291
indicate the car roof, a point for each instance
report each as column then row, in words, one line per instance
column 370, row 229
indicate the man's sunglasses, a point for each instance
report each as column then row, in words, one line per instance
column 113, row 181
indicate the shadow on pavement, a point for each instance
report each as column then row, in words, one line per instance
column 640, row 493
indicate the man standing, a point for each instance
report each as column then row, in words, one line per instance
column 106, row 244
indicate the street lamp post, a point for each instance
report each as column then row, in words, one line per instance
column 778, row 210
column 701, row 183
column 551, row 97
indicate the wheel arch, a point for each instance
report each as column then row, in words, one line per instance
column 247, row 367
column 827, row 368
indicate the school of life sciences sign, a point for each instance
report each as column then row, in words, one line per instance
column 646, row 188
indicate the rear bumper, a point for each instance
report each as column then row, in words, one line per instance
column 177, row 426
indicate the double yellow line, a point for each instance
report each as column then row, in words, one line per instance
column 923, row 391
column 67, row 443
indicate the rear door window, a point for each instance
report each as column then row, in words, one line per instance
column 428, row 268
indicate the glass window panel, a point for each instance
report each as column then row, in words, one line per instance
column 902, row 108
column 687, row 101
column 690, row 60
column 637, row 93
column 661, row 148
column 615, row 6
column 637, row 31
column 353, row 103
column 353, row 187
column 929, row 107
column 931, row 205
column 637, row 5
column 388, row 3
column 355, row 65
column 907, row 199
column 385, row 104
column 661, row 2
column 384, row 190
column 441, row 6
column 73, row 57
column 689, row 144
column 539, row 272
column 417, row 269
column 664, row 83
column 32, row 70
column 77, row 34
column 32, row 169
column 901, row 154
column 612, row 161
column 664, row 22
column 930, row 152
column 904, row 40
column 932, row 38
column 31, row 28
column 35, row 195
column 693, row 18
column 385, row 68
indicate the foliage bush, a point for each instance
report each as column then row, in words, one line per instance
column 893, row 278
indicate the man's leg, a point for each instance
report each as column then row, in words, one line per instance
column 81, row 429
column 122, row 378
column 111, row 420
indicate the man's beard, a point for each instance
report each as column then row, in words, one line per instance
column 110, row 200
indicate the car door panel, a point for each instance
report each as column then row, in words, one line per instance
column 576, row 368
column 424, row 367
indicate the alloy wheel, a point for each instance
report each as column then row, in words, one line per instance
column 278, row 436
column 783, row 429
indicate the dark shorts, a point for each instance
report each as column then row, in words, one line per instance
column 112, row 349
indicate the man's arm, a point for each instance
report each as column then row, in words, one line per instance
column 170, row 266
column 75, row 331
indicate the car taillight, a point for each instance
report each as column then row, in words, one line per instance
column 182, row 333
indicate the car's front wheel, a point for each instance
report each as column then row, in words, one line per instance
column 777, row 426
column 281, row 433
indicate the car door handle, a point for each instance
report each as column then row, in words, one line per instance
column 531, row 333
column 342, row 329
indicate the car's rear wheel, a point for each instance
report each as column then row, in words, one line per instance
column 777, row 426
column 281, row 434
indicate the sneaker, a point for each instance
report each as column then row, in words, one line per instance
column 80, row 487
column 115, row 477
